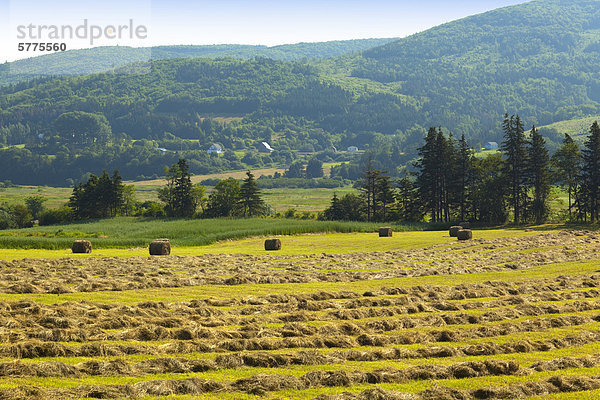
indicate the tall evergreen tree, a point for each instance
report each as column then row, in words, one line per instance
column 104, row 194
column 566, row 163
column 117, row 198
column 464, row 172
column 409, row 206
column 539, row 173
column 384, row 198
column 488, row 191
column 178, row 194
column 335, row 211
column 515, row 153
column 428, row 179
column 250, row 201
column 590, row 173
column 368, row 188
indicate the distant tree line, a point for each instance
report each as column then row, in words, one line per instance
column 451, row 184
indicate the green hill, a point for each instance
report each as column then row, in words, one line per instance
column 539, row 59
column 103, row 59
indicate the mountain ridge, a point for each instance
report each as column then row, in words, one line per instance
column 107, row 58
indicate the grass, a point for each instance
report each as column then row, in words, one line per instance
column 574, row 127
column 127, row 236
column 56, row 197
column 280, row 199
column 128, row 232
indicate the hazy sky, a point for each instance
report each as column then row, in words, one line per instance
column 265, row 22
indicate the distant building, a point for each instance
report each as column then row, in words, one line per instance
column 215, row 148
column 264, row 147
column 352, row 148
column 162, row 150
column 333, row 149
column 491, row 146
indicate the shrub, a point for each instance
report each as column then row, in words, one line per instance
column 56, row 216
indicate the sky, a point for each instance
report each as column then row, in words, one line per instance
column 265, row 22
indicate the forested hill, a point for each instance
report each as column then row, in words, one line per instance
column 102, row 59
column 540, row 59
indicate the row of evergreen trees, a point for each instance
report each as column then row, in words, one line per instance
column 106, row 196
column 99, row 197
column 451, row 184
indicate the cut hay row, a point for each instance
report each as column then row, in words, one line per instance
column 114, row 274
column 308, row 330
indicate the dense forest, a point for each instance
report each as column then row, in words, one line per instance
column 538, row 59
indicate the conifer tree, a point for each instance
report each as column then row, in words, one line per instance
column 409, row 206
column 515, row 153
column 539, row 174
column 117, row 198
column 178, row 194
column 464, row 171
column 335, row 211
column 590, row 173
column 368, row 188
column 250, row 201
column 566, row 163
column 428, row 179
column 384, row 198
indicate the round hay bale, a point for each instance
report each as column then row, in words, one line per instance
column 82, row 246
column 454, row 230
column 465, row 234
column 160, row 247
column 272, row 244
column 385, row 232
column 465, row 225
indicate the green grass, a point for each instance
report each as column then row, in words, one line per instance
column 280, row 199
column 127, row 232
column 127, row 237
column 56, row 197
column 574, row 127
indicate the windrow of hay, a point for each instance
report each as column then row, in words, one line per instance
column 377, row 333
column 115, row 274
column 262, row 383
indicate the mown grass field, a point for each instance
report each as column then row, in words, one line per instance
column 511, row 314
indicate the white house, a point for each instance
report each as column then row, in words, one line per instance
column 352, row 148
column 491, row 146
column 264, row 147
column 215, row 148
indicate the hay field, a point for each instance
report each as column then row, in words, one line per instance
column 510, row 314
